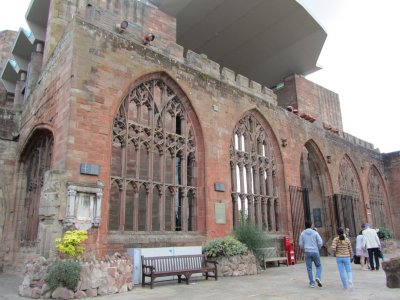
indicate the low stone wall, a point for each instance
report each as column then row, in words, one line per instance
column 237, row 265
column 389, row 246
column 109, row 276
column 392, row 270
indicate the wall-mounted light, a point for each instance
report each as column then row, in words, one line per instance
column 148, row 38
column 367, row 205
column 122, row 26
column 329, row 159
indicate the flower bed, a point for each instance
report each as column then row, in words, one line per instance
column 109, row 276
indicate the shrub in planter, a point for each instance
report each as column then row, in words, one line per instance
column 252, row 236
column 385, row 234
column 65, row 274
column 71, row 243
column 226, row 246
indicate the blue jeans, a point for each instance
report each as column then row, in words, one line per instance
column 344, row 265
column 310, row 258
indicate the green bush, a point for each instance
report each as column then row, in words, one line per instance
column 385, row 233
column 252, row 236
column 71, row 243
column 227, row 246
column 64, row 273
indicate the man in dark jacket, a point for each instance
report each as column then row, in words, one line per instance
column 311, row 243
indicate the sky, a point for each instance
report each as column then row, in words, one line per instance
column 360, row 61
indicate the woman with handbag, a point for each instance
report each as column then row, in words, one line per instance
column 343, row 251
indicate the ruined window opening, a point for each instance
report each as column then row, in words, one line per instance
column 37, row 160
column 253, row 176
column 154, row 152
column 377, row 198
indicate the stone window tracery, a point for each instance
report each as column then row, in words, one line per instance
column 36, row 161
column 153, row 180
column 253, row 176
column 349, row 204
column 347, row 179
column 376, row 198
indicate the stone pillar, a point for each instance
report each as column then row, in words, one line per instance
column 34, row 70
column 19, row 88
column 235, row 209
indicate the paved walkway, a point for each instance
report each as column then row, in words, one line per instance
column 274, row 283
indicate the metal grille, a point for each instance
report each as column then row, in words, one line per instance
column 300, row 212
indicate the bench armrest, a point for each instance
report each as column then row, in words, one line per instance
column 211, row 262
column 151, row 268
column 282, row 253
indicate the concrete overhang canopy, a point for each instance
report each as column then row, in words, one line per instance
column 265, row 40
column 36, row 17
column 10, row 75
column 23, row 48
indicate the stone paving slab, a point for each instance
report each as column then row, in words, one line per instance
column 274, row 283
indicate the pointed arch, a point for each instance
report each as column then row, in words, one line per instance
column 256, row 165
column 380, row 211
column 321, row 167
column 158, row 142
column 313, row 199
column 349, row 204
column 35, row 160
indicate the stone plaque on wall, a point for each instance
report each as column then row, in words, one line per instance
column 220, row 216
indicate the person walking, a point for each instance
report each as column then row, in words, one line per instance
column 343, row 251
column 372, row 244
column 311, row 243
column 361, row 251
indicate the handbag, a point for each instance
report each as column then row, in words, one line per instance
column 380, row 253
column 357, row 259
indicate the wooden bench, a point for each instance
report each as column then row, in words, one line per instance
column 272, row 254
column 179, row 265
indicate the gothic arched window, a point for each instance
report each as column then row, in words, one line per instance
column 153, row 162
column 36, row 161
column 376, row 198
column 253, row 176
column 349, row 208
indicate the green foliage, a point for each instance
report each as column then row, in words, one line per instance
column 226, row 246
column 71, row 243
column 385, row 233
column 64, row 273
column 252, row 236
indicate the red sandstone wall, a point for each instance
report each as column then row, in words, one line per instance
column 392, row 169
column 87, row 78
column 313, row 99
column 141, row 17
column 7, row 38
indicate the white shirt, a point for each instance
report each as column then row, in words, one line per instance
column 371, row 239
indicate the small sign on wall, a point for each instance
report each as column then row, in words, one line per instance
column 219, row 187
column 220, row 216
column 89, row 169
